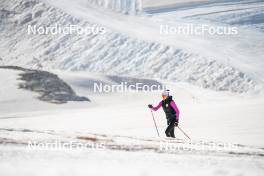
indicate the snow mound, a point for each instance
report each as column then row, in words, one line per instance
column 50, row 87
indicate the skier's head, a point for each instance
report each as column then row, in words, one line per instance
column 165, row 94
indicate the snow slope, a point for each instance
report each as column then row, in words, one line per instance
column 86, row 162
column 50, row 87
column 119, row 154
column 246, row 13
column 226, row 128
column 165, row 5
column 18, row 95
column 132, row 46
column 121, row 124
column 198, row 108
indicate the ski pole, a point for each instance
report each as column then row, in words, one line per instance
column 184, row 133
column 155, row 123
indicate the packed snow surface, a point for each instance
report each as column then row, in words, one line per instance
column 117, row 131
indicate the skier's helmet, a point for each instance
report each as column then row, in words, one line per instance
column 165, row 93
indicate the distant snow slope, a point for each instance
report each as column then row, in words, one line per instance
column 164, row 5
column 245, row 13
column 132, row 46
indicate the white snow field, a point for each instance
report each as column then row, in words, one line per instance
column 216, row 80
column 226, row 132
column 132, row 45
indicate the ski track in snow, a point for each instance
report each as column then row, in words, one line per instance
column 27, row 137
column 140, row 153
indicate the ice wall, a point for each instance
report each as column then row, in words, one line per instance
column 123, row 6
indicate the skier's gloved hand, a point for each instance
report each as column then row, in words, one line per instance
column 176, row 123
column 150, row 106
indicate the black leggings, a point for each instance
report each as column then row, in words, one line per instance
column 170, row 129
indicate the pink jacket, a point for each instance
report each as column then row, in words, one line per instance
column 173, row 105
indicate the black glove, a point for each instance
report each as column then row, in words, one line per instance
column 150, row 106
column 176, row 123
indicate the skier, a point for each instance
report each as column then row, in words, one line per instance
column 171, row 110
